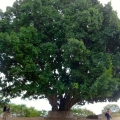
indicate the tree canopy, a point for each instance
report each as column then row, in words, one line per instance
column 64, row 50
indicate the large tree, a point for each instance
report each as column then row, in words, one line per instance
column 64, row 50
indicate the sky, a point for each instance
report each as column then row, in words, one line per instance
column 43, row 104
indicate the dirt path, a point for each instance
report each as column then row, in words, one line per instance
column 41, row 118
column 117, row 118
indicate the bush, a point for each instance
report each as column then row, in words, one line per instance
column 81, row 112
column 113, row 108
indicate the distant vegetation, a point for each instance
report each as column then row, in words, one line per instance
column 77, row 111
column 24, row 111
column 82, row 112
column 115, row 110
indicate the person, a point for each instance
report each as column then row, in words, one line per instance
column 5, row 111
column 107, row 114
column 8, row 111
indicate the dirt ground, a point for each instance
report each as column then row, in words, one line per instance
column 41, row 118
column 24, row 118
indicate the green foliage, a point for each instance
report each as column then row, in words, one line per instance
column 23, row 111
column 3, row 100
column 43, row 113
column 77, row 111
column 17, row 110
column 65, row 50
column 31, row 112
column 113, row 108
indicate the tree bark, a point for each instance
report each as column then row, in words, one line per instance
column 53, row 102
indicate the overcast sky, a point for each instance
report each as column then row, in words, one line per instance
column 44, row 104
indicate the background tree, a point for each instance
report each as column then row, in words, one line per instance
column 113, row 108
column 32, row 112
column 24, row 111
column 78, row 112
column 64, row 50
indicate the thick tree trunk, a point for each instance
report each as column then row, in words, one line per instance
column 60, row 115
column 61, row 104
column 61, row 107
column 53, row 102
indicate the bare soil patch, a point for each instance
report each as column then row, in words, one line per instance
column 42, row 118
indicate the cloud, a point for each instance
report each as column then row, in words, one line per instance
column 5, row 3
